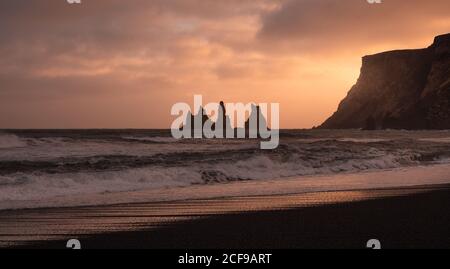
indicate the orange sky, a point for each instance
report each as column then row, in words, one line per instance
column 123, row 64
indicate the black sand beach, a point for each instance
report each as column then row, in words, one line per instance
column 415, row 217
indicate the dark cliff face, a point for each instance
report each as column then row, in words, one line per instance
column 405, row 89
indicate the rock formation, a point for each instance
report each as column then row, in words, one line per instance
column 223, row 121
column 256, row 122
column 404, row 89
column 201, row 116
column 259, row 123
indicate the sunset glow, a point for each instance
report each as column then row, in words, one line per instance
column 103, row 64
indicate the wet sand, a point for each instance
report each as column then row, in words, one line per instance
column 412, row 217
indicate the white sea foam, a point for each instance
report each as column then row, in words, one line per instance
column 23, row 187
column 399, row 177
column 42, row 186
column 11, row 141
column 436, row 140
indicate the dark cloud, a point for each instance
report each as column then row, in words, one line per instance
column 327, row 24
column 38, row 34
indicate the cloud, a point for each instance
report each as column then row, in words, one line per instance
column 335, row 24
column 239, row 50
column 104, row 36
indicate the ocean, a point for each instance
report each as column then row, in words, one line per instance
column 39, row 167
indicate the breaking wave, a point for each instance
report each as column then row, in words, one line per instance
column 11, row 141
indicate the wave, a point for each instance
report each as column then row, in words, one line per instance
column 158, row 139
column 322, row 156
column 36, row 167
column 436, row 140
column 11, row 141
column 39, row 185
column 24, row 187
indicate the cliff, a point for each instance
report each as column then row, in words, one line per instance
column 404, row 89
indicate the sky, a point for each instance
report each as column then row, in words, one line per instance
column 123, row 64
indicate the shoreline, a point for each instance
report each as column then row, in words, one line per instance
column 425, row 187
column 309, row 218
